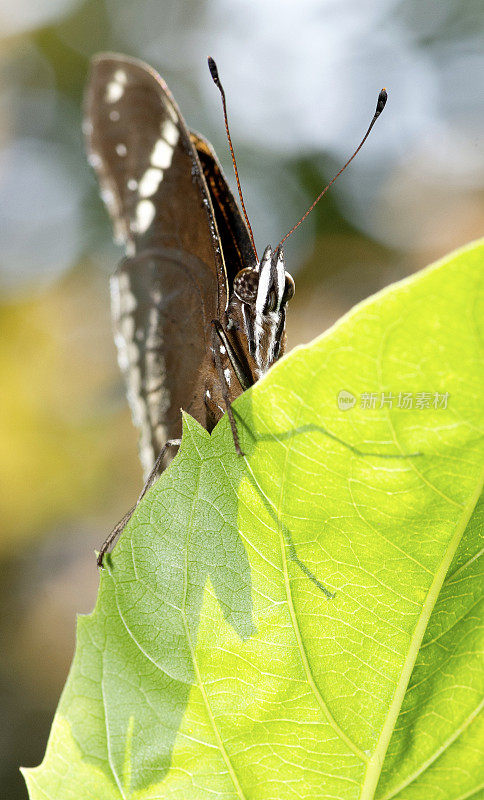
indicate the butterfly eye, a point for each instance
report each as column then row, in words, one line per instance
column 289, row 289
column 245, row 285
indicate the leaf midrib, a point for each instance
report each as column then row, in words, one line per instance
column 376, row 761
column 440, row 751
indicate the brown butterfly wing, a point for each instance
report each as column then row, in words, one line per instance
column 234, row 234
column 238, row 254
column 173, row 282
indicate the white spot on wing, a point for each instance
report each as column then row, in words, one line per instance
column 162, row 154
column 155, row 375
column 132, row 184
column 95, row 160
column 145, row 214
column 171, row 111
column 123, row 300
column 222, row 350
column 127, row 327
column 170, row 132
column 155, row 400
column 115, row 298
column 115, row 88
column 121, row 149
column 227, row 376
column 123, row 281
column 133, row 354
column 150, row 181
column 128, row 302
column 134, row 388
column 114, row 115
column 108, row 197
column 122, row 352
column 154, row 338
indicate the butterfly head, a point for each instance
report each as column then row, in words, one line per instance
column 264, row 291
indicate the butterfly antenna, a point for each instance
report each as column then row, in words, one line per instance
column 215, row 77
column 382, row 99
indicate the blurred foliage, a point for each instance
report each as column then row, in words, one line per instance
column 53, row 418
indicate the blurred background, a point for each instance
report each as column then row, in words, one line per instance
column 302, row 81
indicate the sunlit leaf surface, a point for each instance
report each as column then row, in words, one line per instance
column 261, row 618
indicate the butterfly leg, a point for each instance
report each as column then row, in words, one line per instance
column 244, row 381
column 152, row 477
column 219, row 337
column 116, row 531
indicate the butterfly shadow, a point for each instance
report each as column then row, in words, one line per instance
column 180, row 553
column 251, row 440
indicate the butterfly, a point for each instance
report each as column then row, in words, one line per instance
column 198, row 316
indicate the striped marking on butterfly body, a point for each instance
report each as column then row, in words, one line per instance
column 272, row 277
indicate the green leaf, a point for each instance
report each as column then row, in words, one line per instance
column 436, row 748
column 217, row 662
